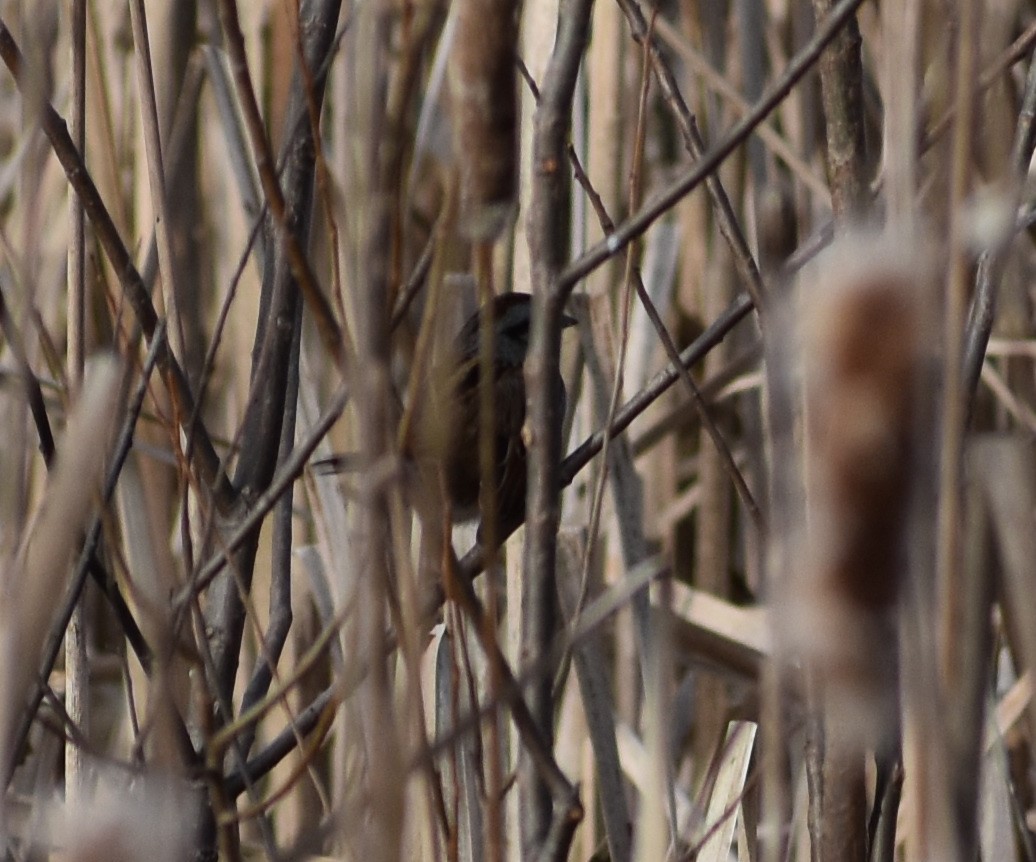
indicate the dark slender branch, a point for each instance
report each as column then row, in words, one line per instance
column 693, row 176
column 1015, row 52
column 690, row 356
column 286, row 281
column 290, row 470
column 33, row 390
column 991, row 263
column 537, row 743
column 693, row 142
column 735, row 475
column 883, row 835
column 284, row 212
column 416, row 281
column 176, row 153
column 280, row 575
column 206, row 461
column 590, row 620
column 280, row 746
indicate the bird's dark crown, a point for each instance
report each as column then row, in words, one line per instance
column 512, row 318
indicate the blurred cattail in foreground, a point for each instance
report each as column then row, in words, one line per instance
column 862, row 333
column 32, row 585
column 483, row 79
column 125, row 818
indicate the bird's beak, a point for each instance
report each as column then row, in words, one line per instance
column 567, row 321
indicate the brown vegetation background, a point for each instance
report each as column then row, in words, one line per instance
column 775, row 596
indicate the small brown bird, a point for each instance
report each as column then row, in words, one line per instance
column 443, row 438
column 459, row 453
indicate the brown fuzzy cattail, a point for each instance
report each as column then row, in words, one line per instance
column 862, row 337
column 484, row 101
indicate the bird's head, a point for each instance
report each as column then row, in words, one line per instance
column 512, row 318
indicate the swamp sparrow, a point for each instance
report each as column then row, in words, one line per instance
column 444, row 436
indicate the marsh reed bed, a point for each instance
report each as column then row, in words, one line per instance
column 772, row 592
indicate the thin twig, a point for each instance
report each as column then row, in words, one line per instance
column 156, row 175
column 207, row 461
column 693, row 176
column 331, row 334
column 693, row 142
column 735, row 474
column 777, row 143
column 291, row 468
column 991, row 263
